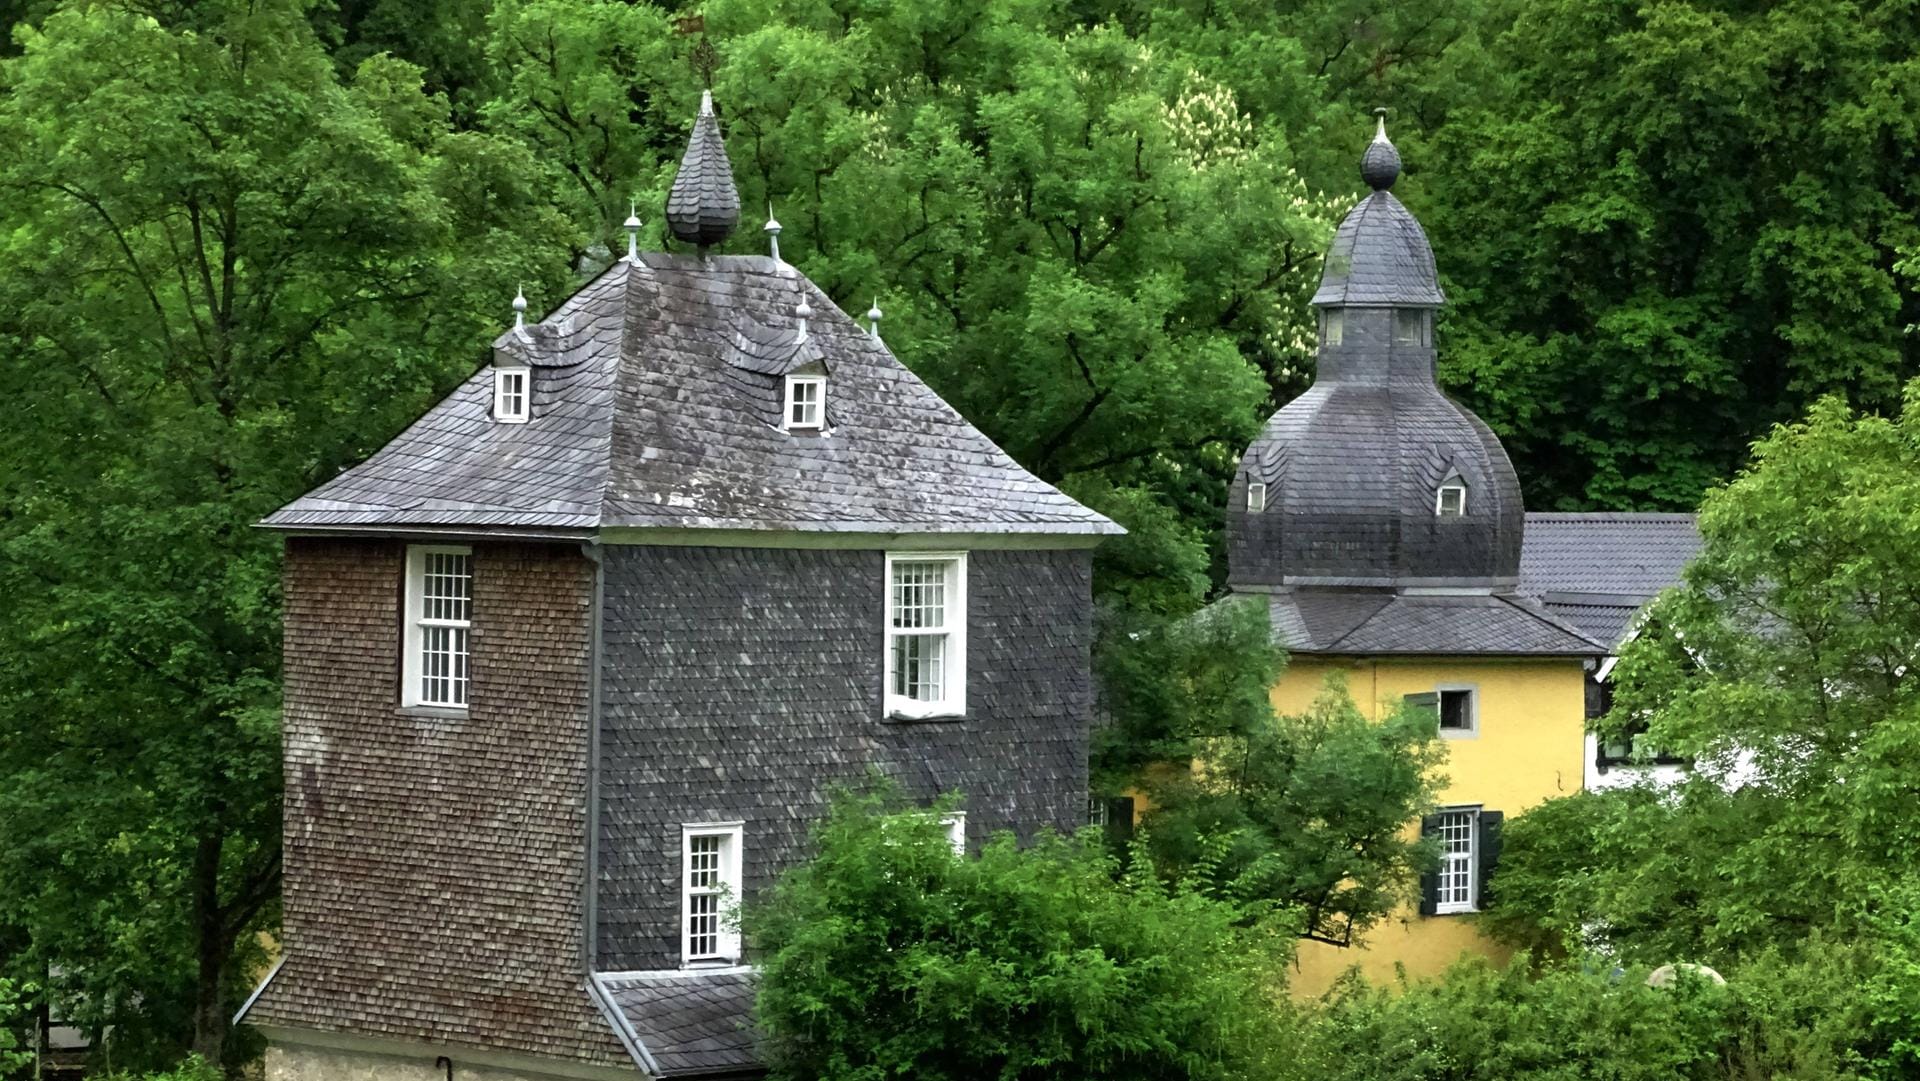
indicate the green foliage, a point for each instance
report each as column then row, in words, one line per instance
column 225, row 274
column 1308, row 813
column 1803, row 1020
column 889, row 956
column 191, row 1068
column 1667, row 225
column 1785, row 665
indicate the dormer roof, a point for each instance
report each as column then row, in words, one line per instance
column 650, row 413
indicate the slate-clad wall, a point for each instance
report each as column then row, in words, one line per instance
column 741, row 684
column 435, row 865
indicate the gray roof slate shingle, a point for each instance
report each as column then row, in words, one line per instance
column 656, row 405
column 1381, row 622
column 1597, row 569
column 703, row 206
column 689, row 1023
column 1380, row 257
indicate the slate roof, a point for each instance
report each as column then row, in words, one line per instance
column 1386, row 622
column 656, row 404
column 1597, row 569
column 1380, row 257
column 688, row 1023
column 703, row 206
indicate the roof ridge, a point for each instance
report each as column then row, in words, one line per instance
column 1539, row 612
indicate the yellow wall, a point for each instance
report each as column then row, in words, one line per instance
column 1532, row 727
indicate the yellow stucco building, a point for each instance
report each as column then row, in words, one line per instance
column 1383, row 525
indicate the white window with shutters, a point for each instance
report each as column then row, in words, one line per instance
column 926, row 624
column 1458, row 886
column 709, row 928
column 436, row 670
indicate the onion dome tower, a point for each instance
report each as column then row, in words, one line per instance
column 1374, row 478
column 703, row 206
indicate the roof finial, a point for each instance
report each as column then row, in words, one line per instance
column 703, row 206
column 803, row 312
column 1380, row 165
column 873, row 319
column 519, row 308
column 773, row 231
column 633, row 232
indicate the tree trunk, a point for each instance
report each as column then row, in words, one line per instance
column 211, row 949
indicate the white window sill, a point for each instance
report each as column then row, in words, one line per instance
column 1455, row 910
column 920, row 712
column 1460, row 733
column 447, row 713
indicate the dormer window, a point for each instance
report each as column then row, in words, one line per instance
column 1332, row 324
column 510, row 396
column 1412, row 326
column 806, row 406
column 1451, row 500
column 1256, row 497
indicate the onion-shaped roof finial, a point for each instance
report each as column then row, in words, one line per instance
column 703, row 206
column 873, row 319
column 1380, row 165
column 773, row 231
column 803, row 311
column 519, row 308
column 633, row 232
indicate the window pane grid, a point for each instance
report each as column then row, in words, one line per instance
column 446, row 613
column 706, row 886
column 1456, row 860
column 803, row 403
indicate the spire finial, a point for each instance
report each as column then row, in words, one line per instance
column 519, row 307
column 633, row 232
column 803, row 311
column 1380, row 165
column 703, row 206
column 873, row 319
column 773, row 231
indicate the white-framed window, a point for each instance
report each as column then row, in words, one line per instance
column 956, row 826
column 1450, row 501
column 710, row 893
column 436, row 669
column 1458, row 885
column 1412, row 326
column 1256, row 496
column 806, row 405
column 926, row 624
column 511, row 400
column 1333, row 323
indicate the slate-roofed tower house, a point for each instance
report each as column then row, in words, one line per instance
column 1381, row 524
column 576, row 659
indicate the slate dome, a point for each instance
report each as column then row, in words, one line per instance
column 1353, row 470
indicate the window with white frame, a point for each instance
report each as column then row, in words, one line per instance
column 510, row 397
column 1451, row 500
column 439, row 614
column 709, row 932
column 926, row 634
column 806, row 401
column 1256, row 497
column 1458, row 884
column 956, row 826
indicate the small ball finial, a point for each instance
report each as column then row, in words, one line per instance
column 803, row 311
column 1380, row 165
column 873, row 319
column 519, row 307
column 773, row 232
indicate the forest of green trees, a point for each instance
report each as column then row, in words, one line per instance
column 242, row 242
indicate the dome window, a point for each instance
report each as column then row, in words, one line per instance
column 1451, row 500
column 1332, row 323
column 510, row 397
column 1412, row 326
column 806, row 407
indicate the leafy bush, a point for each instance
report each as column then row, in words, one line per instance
column 888, row 956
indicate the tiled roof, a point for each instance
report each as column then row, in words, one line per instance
column 703, row 206
column 1377, row 622
column 688, row 1023
column 655, row 404
column 1597, row 569
column 1379, row 258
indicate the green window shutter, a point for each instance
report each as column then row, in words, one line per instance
column 1489, row 849
column 1427, row 702
column 1429, row 879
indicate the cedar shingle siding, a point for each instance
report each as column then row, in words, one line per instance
column 745, row 683
column 434, row 865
